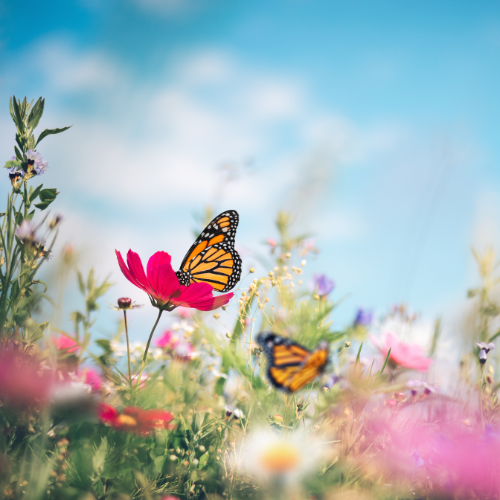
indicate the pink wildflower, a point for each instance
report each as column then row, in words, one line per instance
column 271, row 242
column 405, row 355
column 163, row 287
column 92, row 378
column 63, row 343
column 179, row 347
column 183, row 312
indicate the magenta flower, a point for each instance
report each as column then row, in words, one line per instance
column 92, row 378
column 405, row 355
column 163, row 287
column 63, row 343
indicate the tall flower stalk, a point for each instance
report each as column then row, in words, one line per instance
column 23, row 244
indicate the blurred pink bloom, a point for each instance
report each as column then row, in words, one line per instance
column 170, row 497
column 168, row 339
column 66, row 344
column 92, row 378
column 22, row 382
column 271, row 242
column 163, row 287
column 456, row 458
column 178, row 346
column 183, row 312
column 406, row 355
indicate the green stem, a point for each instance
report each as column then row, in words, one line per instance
column 147, row 348
column 481, row 396
column 128, row 348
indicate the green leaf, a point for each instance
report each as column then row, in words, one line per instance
column 18, row 120
column 100, row 456
column 12, row 163
column 358, row 356
column 47, row 196
column 81, row 283
column 90, row 279
column 36, row 113
column 50, row 131
column 204, row 460
column 105, row 344
column 38, row 333
column 35, row 193
column 19, row 155
column 385, row 362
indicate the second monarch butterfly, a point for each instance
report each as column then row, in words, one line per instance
column 212, row 258
column 290, row 365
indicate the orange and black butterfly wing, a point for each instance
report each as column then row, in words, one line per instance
column 212, row 258
column 313, row 366
column 290, row 365
column 286, row 360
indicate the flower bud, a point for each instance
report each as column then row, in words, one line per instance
column 252, row 270
column 124, row 303
column 277, row 418
column 347, row 344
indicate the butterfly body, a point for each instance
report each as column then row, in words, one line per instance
column 290, row 365
column 212, row 258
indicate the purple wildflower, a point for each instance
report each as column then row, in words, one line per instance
column 36, row 162
column 485, row 349
column 363, row 317
column 322, row 285
column 26, row 232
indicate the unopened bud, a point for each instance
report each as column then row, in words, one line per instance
column 347, row 344
column 216, row 316
column 252, row 270
column 277, row 418
column 124, row 303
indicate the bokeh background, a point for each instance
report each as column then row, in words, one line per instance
column 376, row 123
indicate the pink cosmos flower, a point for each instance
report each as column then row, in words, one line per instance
column 92, row 378
column 162, row 285
column 406, row 355
column 63, row 343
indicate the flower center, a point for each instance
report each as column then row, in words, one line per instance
column 126, row 421
column 279, row 458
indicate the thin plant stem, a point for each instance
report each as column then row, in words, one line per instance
column 128, row 348
column 147, row 349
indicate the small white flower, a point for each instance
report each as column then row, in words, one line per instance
column 267, row 454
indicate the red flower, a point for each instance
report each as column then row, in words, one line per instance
column 163, row 287
column 135, row 419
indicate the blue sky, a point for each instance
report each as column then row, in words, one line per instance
column 377, row 122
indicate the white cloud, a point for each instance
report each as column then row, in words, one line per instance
column 70, row 71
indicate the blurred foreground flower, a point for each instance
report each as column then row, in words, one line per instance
column 135, row 419
column 405, row 355
column 23, row 382
column 322, row 285
column 163, row 287
column 269, row 455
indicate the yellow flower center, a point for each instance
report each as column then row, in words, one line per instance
column 279, row 458
column 126, row 421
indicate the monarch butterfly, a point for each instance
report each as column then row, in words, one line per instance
column 291, row 366
column 212, row 258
